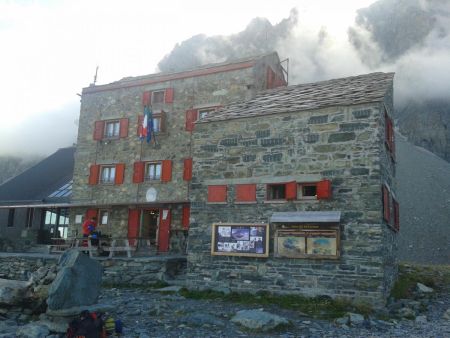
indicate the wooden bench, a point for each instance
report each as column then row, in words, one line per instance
column 79, row 245
column 126, row 247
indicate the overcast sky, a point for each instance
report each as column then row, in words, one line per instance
column 50, row 49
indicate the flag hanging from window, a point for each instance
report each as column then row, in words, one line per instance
column 145, row 132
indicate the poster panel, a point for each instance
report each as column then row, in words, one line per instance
column 240, row 239
column 307, row 243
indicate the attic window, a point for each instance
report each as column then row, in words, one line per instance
column 158, row 97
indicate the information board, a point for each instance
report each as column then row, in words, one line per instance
column 234, row 239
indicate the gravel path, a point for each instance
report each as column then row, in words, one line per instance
column 154, row 314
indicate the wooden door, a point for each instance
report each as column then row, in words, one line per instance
column 164, row 230
column 133, row 224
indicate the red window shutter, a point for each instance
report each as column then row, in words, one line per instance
column 396, row 215
column 138, row 172
column 147, row 98
column 123, row 128
column 187, row 173
column 99, row 128
column 166, row 175
column 91, row 213
column 139, row 125
column 291, row 191
column 164, row 230
column 93, row 174
column 185, row 218
column 323, row 189
column 168, row 96
column 245, row 192
column 120, row 170
column 133, row 225
column 191, row 117
column 217, row 193
column 386, row 206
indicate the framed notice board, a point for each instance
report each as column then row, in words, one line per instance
column 240, row 239
column 305, row 243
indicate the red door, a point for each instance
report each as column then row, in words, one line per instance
column 164, row 230
column 133, row 224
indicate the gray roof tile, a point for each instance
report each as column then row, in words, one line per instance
column 337, row 92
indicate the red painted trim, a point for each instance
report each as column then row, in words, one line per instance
column 170, row 77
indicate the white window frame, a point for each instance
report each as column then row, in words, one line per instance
column 112, row 129
column 152, row 174
column 102, row 214
column 107, row 174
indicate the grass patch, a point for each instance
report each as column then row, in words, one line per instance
column 436, row 277
column 317, row 307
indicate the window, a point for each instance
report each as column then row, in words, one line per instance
column 11, row 217
column 157, row 123
column 112, row 129
column 108, row 174
column 245, row 193
column 217, row 194
column 202, row 113
column 152, row 171
column 29, row 219
column 103, row 217
column 276, row 191
column 307, row 191
column 158, row 97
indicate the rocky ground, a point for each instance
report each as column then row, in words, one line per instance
column 172, row 312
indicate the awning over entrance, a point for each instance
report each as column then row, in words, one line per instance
column 306, row 217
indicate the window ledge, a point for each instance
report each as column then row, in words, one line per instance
column 245, row 202
column 216, row 202
column 275, row 201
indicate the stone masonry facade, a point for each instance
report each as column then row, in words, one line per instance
column 209, row 86
column 342, row 143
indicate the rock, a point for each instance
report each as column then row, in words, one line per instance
column 423, row 288
column 421, row 319
column 258, row 320
column 76, row 310
column 446, row 315
column 200, row 319
column 32, row 330
column 173, row 288
column 406, row 312
column 14, row 292
column 355, row 319
column 77, row 283
column 224, row 290
column 341, row 321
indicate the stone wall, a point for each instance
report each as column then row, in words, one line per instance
column 127, row 271
column 343, row 144
column 213, row 88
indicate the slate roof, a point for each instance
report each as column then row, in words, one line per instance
column 38, row 182
column 337, row 92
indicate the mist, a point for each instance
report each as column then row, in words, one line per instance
column 409, row 37
column 42, row 134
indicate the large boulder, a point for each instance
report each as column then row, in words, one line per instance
column 14, row 292
column 258, row 320
column 77, row 282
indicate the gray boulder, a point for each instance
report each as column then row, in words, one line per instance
column 423, row 288
column 446, row 315
column 258, row 320
column 32, row 330
column 14, row 292
column 77, row 282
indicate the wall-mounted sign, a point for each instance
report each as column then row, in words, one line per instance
column 295, row 243
column 234, row 239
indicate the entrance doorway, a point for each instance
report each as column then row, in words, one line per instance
column 150, row 221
